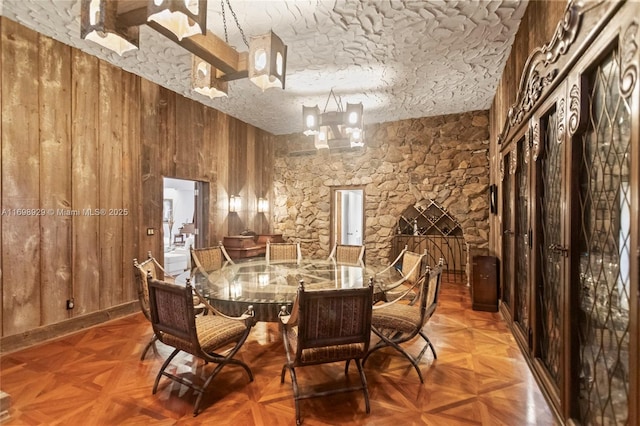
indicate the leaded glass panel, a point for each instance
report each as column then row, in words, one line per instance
column 550, row 293
column 605, row 205
column 522, row 235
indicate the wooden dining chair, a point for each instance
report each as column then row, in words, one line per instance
column 209, row 258
column 347, row 254
column 205, row 336
column 283, row 252
column 327, row 326
column 141, row 270
column 397, row 322
column 411, row 267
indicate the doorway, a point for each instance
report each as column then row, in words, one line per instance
column 347, row 216
column 182, row 218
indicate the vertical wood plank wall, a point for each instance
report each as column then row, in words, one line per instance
column 536, row 28
column 80, row 134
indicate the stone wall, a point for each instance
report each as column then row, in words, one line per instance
column 442, row 158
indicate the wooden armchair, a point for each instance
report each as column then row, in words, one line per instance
column 175, row 323
column 141, row 271
column 397, row 322
column 347, row 254
column 283, row 252
column 411, row 267
column 327, row 326
column 209, row 259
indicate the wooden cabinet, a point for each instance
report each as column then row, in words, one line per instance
column 484, row 283
column 248, row 246
column 569, row 179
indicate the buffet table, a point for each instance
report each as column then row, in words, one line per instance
column 268, row 287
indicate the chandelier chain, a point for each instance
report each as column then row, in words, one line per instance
column 235, row 18
column 224, row 22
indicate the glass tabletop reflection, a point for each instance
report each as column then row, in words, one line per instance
column 269, row 286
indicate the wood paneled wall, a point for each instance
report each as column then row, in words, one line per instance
column 536, row 29
column 79, row 134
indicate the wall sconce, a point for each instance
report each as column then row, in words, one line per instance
column 183, row 18
column 263, row 205
column 235, row 202
column 98, row 24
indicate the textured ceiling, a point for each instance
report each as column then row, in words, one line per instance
column 402, row 59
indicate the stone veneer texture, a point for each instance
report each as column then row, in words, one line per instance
column 443, row 158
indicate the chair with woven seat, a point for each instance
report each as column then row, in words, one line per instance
column 176, row 325
column 347, row 254
column 327, row 326
column 397, row 322
column 411, row 267
column 141, row 270
column 283, row 252
column 209, row 258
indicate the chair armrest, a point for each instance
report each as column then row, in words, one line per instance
column 248, row 314
column 391, row 302
column 288, row 319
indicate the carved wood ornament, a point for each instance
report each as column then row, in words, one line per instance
column 561, row 126
column 629, row 60
column 502, row 169
column 574, row 109
column 538, row 72
column 535, row 138
column 513, row 166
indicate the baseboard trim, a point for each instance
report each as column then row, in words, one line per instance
column 53, row 331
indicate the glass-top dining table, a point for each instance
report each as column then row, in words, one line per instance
column 269, row 286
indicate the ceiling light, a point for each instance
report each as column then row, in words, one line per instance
column 114, row 24
column 267, row 61
column 334, row 129
column 204, row 81
column 98, row 23
column 183, row 18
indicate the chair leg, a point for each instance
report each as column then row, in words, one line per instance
column 385, row 341
column 161, row 372
column 433, row 350
column 365, row 389
column 282, row 373
column 296, row 394
column 151, row 343
column 346, row 367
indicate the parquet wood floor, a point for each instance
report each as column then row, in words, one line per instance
column 95, row 377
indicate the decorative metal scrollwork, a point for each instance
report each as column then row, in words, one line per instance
column 574, row 109
column 561, row 126
column 629, row 60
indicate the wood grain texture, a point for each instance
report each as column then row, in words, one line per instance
column 84, row 175
column 150, row 195
column 110, row 184
column 479, row 378
column 21, row 297
column 132, row 181
column 55, row 177
column 79, row 134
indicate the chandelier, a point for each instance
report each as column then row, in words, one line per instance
column 113, row 24
column 334, row 129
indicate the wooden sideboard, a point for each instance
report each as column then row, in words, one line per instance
column 248, row 246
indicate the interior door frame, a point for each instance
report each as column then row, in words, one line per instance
column 335, row 222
